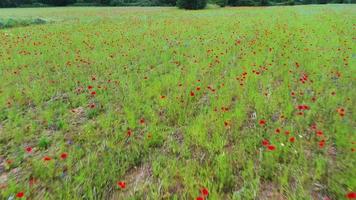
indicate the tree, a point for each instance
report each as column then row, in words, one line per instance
column 57, row 2
column 221, row 3
column 191, row 4
column 264, row 3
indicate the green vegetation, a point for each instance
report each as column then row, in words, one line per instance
column 192, row 5
column 188, row 4
column 10, row 23
column 162, row 103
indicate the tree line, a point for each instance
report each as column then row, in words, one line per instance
column 187, row 4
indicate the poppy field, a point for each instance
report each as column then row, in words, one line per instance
column 161, row 103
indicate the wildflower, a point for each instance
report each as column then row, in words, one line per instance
column 29, row 149
column 262, row 122
column 319, row 133
column 47, row 158
column 129, row 132
column 204, row 192
column 20, row 194
column 192, row 94
column 271, row 147
column 351, row 195
column 121, row 184
column 265, row 142
column 142, row 121
column 322, row 143
column 64, row 156
column 292, row 139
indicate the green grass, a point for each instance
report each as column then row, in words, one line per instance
column 179, row 100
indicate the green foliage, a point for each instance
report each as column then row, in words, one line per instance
column 221, row 3
column 10, row 23
column 178, row 103
column 44, row 143
column 191, row 4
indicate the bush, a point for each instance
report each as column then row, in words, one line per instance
column 221, row 3
column 242, row 3
column 191, row 4
column 10, row 23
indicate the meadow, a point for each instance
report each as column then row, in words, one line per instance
column 160, row 103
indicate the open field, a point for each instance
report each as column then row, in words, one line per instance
column 161, row 103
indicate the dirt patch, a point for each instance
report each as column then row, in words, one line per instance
column 137, row 179
column 270, row 191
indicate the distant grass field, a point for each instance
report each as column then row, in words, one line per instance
column 161, row 103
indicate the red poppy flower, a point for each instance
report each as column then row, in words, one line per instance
column 204, row 192
column 90, row 87
column 277, row 130
column 121, row 184
column 271, row 147
column 64, row 155
column 29, row 149
column 192, row 94
column 262, row 122
column 322, row 143
column 129, row 133
column 142, row 121
column 351, row 195
column 292, row 139
column 47, row 158
column 198, row 88
column 93, row 93
column 199, row 198
column 20, row 194
column 265, row 142
column 319, row 133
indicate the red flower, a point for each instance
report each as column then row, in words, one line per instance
column 64, row 155
column 192, row 94
column 319, row 133
column 92, row 106
column 292, row 139
column 47, row 158
column 277, row 130
column 90, row 87
column 351, row 195
column 162, row 97
column 93, row 93
column 262, row 122
column 129, row 132
column 121, row 184
column 142, row 121
column 204, row 192
column 20, row 194
column 265, row 142
column 199, row 198
column 271, row 147
column 303, row 107
column 29, row 149
column 322, row 143
column 198, row 88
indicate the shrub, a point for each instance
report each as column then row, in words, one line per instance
column 191, row 4
column 221, row 3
